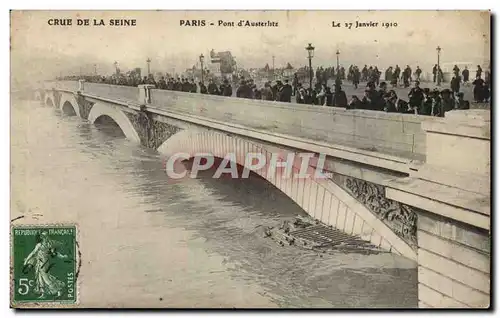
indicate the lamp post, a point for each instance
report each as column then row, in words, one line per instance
column 149, row 65
column 95, row 69
column 438, row 49
column 338, row 64
column 202, row 58
column 116, row 67
column 310, row 55
column 274, row 73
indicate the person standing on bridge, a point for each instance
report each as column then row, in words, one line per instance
column 286, row 93
column 212, row 87
column 295, row 83
column 479, row 71
column 243, row 89
column 355, row 103
column 447, row 102
column 418, row 72
column 193, row 88
column 478, row 89
column 465, row 75
column 339, row 97
column 364, row 73
column 426, row 105
column 416, row 96
column 162, row 84
column 436, row 102
column 388, row 74
column 355, row 77
column 406, row 76
column 226, row 88
column 455, row 84
column 434, row 73
column 395, row 76
column 186, row 87
column 203, row 88
column 267, row 92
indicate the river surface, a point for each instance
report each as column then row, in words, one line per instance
column 149, row 242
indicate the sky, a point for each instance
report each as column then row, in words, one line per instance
column 39, row 50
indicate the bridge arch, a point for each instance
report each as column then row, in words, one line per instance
column 49, row 100
column 102, row 109
column 322, row 199
column 69, row 106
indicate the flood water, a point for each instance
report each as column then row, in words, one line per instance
column 149, row 242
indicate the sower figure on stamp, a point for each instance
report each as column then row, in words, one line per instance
column 39, row 259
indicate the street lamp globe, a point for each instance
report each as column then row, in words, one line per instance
column 310, row 51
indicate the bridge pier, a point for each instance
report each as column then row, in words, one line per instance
column 451, row 194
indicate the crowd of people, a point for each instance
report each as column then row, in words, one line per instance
column 377, row 95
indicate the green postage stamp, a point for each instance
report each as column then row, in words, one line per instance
column 44, row 264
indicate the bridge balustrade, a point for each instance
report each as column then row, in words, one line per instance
column 389, row 133
column 386, row 133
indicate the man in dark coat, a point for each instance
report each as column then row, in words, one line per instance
column 295, row 83
column 193, row 86
column 178, row 85
column 393, row 104
column 465, row 75
column 227, row 90
column 479, row 71
column 436, row 102
column 277, row 90
column 300, row 96
column 355, row 103
column 244, row 90
column 447, row 102
column 339, row 97
column 162, row 84
column 212, row 87
column 406, row 76
column 455, row 84
column 355, row 77
column 267, row 92
column 286, row 92
column 364, row 74
column 434, row 73
column 426, row 105
column 186, row 86
column 416, row 95
column 203, row 88
column 478, row 89
column 418, row 72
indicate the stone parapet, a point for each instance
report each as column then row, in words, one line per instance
column 451, row 195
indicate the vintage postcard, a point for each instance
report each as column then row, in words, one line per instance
column 250, row 159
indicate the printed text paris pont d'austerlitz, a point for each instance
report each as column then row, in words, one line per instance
column 225, row 23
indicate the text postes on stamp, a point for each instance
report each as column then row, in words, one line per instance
column 44, row 264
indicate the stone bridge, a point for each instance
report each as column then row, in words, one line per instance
column 416, row 186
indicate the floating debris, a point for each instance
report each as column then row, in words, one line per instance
column 311, row 234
